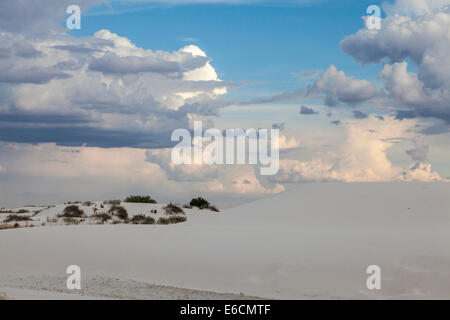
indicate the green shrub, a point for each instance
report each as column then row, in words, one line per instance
column 140, row 199
column 68, row 220
column 23, row 211
column 103, row 217
column 213, row 208
column 163, row 221
column 148, row 220
column 177, row 219
column 171, row 220
column 72, row 212
column 112, row 202
column 142, row 219
column 199, row 203
column 15, row 217
column 119, row 211
column 87, row 204
column 173, row 209
column 4, row 226
column 137, row 219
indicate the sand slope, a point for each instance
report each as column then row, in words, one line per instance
column 314, row 242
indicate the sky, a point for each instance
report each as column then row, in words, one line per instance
column 88, row 114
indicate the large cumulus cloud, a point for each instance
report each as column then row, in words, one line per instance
column 424, row 39
column 116, row 93
column 363, row 156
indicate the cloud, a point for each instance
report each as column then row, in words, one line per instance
column 38, row 17
column 280, row 126
column 135, row 97
column 191, row 172
column 281, row 97
column 308, row 74
column 307, row 111
column 420, row 151
column 425, row 40
column 363, row 156
column 414, row 7
column 420, row 172
column 359, row 115
column 47, row 173
column 337, row 88
column 111, row 63
column 286, row 143
column 36, row 75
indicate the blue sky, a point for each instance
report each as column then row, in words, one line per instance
column 264, row 44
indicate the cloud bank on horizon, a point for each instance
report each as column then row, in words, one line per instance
column 99, row 110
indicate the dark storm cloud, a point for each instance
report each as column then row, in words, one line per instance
column 113, row 64
column 36, row 75
column 77, row 136
column 307, row 111
column 359, row 115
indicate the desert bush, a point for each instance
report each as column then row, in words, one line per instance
column 14, row 217
column 69, row 220
column 119, row 211
column 87, row 204
column 186, row 206
column 5, row 226
column 73, row 202
column 103, row 217
column 199, row 203
column 6, row 211
column 112, row 202
column 148, row 220
column 53, row 220
column 22, row 211
column 171, row 220
column 163, row 221
column 213, row 208
column 173, row 209
column 140, row 199
column 142, row 219
column 137, row 219
column 177, row 219
column 71, row 211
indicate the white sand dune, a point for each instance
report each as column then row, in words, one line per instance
column 314, row 242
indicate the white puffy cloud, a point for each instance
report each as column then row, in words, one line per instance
column 425, row 40
column 184, row 172
column 288, row 143
column 420, row 172
column 338, row 88
column 363, row 156
column 50, row 173
column 115, row 93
